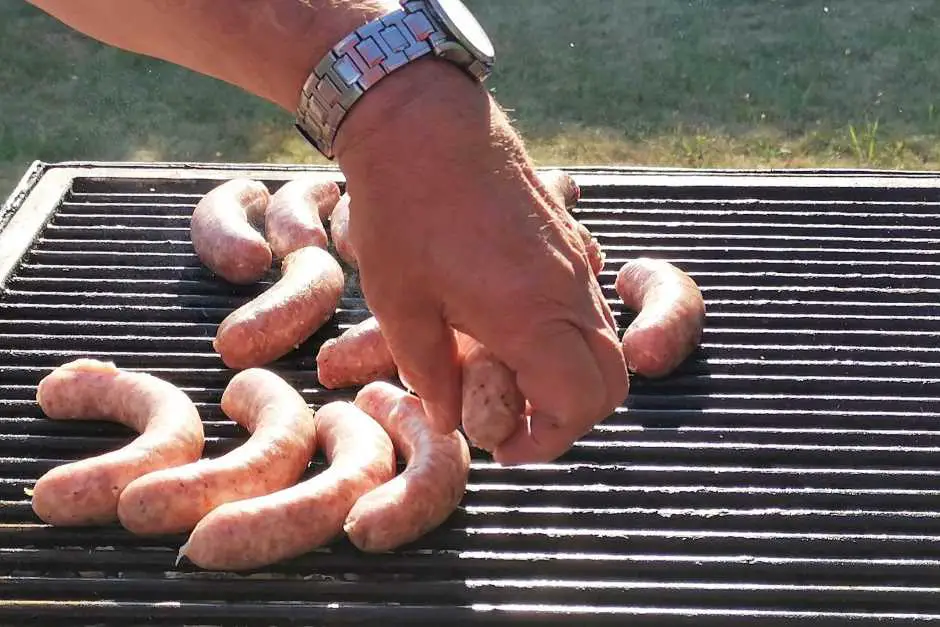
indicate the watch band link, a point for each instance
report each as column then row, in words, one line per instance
column 359, row 61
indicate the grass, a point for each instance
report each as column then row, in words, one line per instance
column 700, row 83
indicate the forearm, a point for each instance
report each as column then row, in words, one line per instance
column 269, row 47
column 266, row 47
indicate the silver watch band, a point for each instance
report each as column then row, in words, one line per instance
column 362, row 59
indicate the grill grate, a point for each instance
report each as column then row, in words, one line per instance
column 787, row 473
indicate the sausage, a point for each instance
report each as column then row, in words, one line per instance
column 288, row 313
column 671, row 315
column 86, row 492
column 339, row 232
column 358, row 356
column 292, row 220
column 222, row 233
column 274, row 457
column 493, row 406
column 263, row 530
column 426, row 493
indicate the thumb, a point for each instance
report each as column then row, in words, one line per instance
column 424, row 348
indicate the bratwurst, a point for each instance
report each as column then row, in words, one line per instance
column 671, row 315
column 292, row 220
column 223, row 235
column 286, row 314
column 86, row 492
column 339, row 232
column 426, row 493
column 274, row 457
column 266, row 529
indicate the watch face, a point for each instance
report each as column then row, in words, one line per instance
column 465, row 27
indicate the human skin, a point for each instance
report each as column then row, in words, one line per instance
column 452, row 228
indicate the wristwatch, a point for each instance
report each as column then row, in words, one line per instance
column 443, row 28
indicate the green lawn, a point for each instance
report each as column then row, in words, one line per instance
column 666, row 82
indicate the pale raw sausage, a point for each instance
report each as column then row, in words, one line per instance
column 285, row 315
column 266, row 529
column 86, row 492
column 222, row 233
column 358, row 356
column 292, row 220
column 671, row 315
column 427, row 492
column 274, row 457
column 493, row 406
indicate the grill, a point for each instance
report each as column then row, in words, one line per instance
column 788, row 473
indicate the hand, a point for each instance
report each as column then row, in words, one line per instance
column 454, row 231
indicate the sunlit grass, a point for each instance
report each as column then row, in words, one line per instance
column 724, row 83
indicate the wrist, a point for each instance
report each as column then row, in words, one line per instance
column 311, row 29
column 426, row 104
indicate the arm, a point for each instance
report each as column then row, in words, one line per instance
column 451, row 226
column 266, row 48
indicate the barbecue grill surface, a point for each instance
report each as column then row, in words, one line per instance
column 787, row 474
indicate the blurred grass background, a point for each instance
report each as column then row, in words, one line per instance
column 694, row 83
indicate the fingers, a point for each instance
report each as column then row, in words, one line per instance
column 602, row 306
column 425, row 350
column 605, row 346
column 548, row 435
column 556, row 371
column 565, row 193
column 539, row 441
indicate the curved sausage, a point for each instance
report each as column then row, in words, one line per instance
column 292, row 220
column 274, row 457
column 222, row 233
column 426, row 493
column 86, row 492
column 358, row 356
column 288, row 313
column 493, row 406
column 324, row 210
column 671, row 315
column 339, row 232
column 263, row 530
